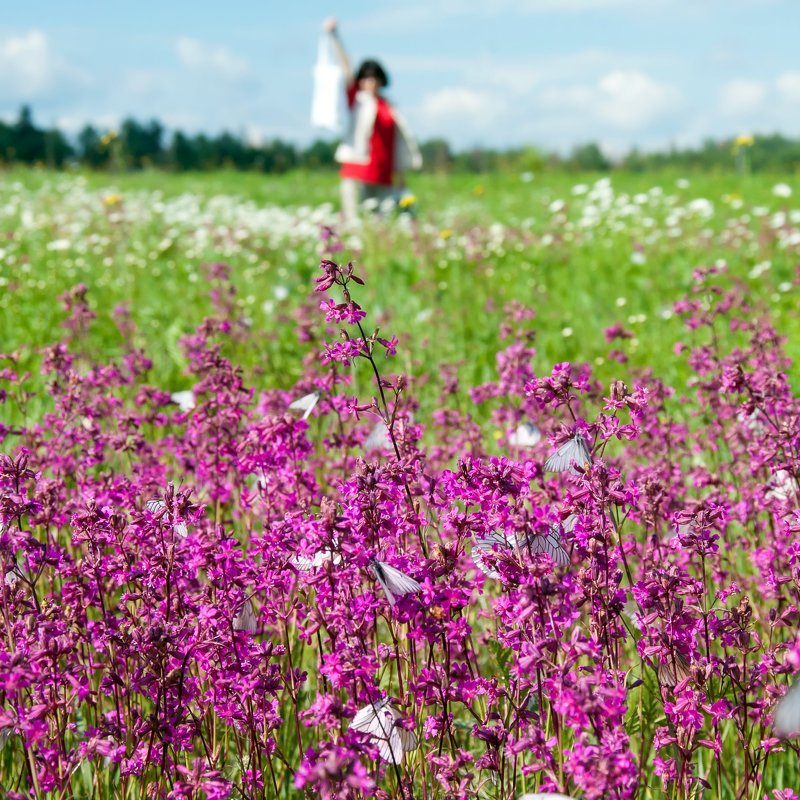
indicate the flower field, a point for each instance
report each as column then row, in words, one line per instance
column 493, row 499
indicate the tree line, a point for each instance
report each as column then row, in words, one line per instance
column 139, row 145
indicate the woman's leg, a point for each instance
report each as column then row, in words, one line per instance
column 351, row 197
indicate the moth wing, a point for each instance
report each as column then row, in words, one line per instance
column 582, row 453
column 569, row 523
column 787, row 713
column 550, row 543
column 545, row 796
column 391, row 749
column 385, row 586
column 305, row 404
column 573, row 451
column 303, row 563
column 398, row 582
column 526, row 435
column 489, row 545
column 666, row 674
column 385, row 730
column 364, row 719
column 378, row 438
column 181, row 529
column 306, row 563
column 557, row 462
column 154, row 506
column 408, row 739
column 480, row 562
column 246, row 618
column 185, row 400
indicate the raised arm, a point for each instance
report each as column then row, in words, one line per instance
column 331, row 26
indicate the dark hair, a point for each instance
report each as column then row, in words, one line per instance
column 372, row 69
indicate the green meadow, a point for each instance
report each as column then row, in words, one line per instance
column 585, row 252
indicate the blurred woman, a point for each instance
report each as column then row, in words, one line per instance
column 378, row 147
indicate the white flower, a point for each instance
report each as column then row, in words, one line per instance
column 567, row 332
column 759, row 269
column 702, row 207
column 782, row 190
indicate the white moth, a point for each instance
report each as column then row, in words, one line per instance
column 393, row 582
column 787, row 713
column 245, row 619
column 380, row 721
column 184, row 400
column 573, row 451
column 378, row 439
column 496, row 543
column 305, row 404
column 526, row 435
column 306, row 564
column 155, row 506
column 545, row 796
column 674, row 669
column 782, row 485
column 753, row 422
column 549, row 543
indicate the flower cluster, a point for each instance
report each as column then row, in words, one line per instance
column 241, row 592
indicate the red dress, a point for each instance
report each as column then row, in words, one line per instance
column 380, row 167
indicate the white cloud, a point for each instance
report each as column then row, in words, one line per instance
column 215, row 58
column 460, row 105
column 789, row 86
column 741, row 97
column 628, row 100
column 631, row 100
column 26, row 63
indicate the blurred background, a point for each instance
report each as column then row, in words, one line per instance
column 586, row 83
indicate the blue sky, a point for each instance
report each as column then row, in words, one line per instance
column 498, row 72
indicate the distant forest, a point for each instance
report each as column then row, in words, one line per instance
column 137, row 145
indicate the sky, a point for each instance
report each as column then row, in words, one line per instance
column 500, row 73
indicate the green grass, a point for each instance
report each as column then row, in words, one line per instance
column 441, row 289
